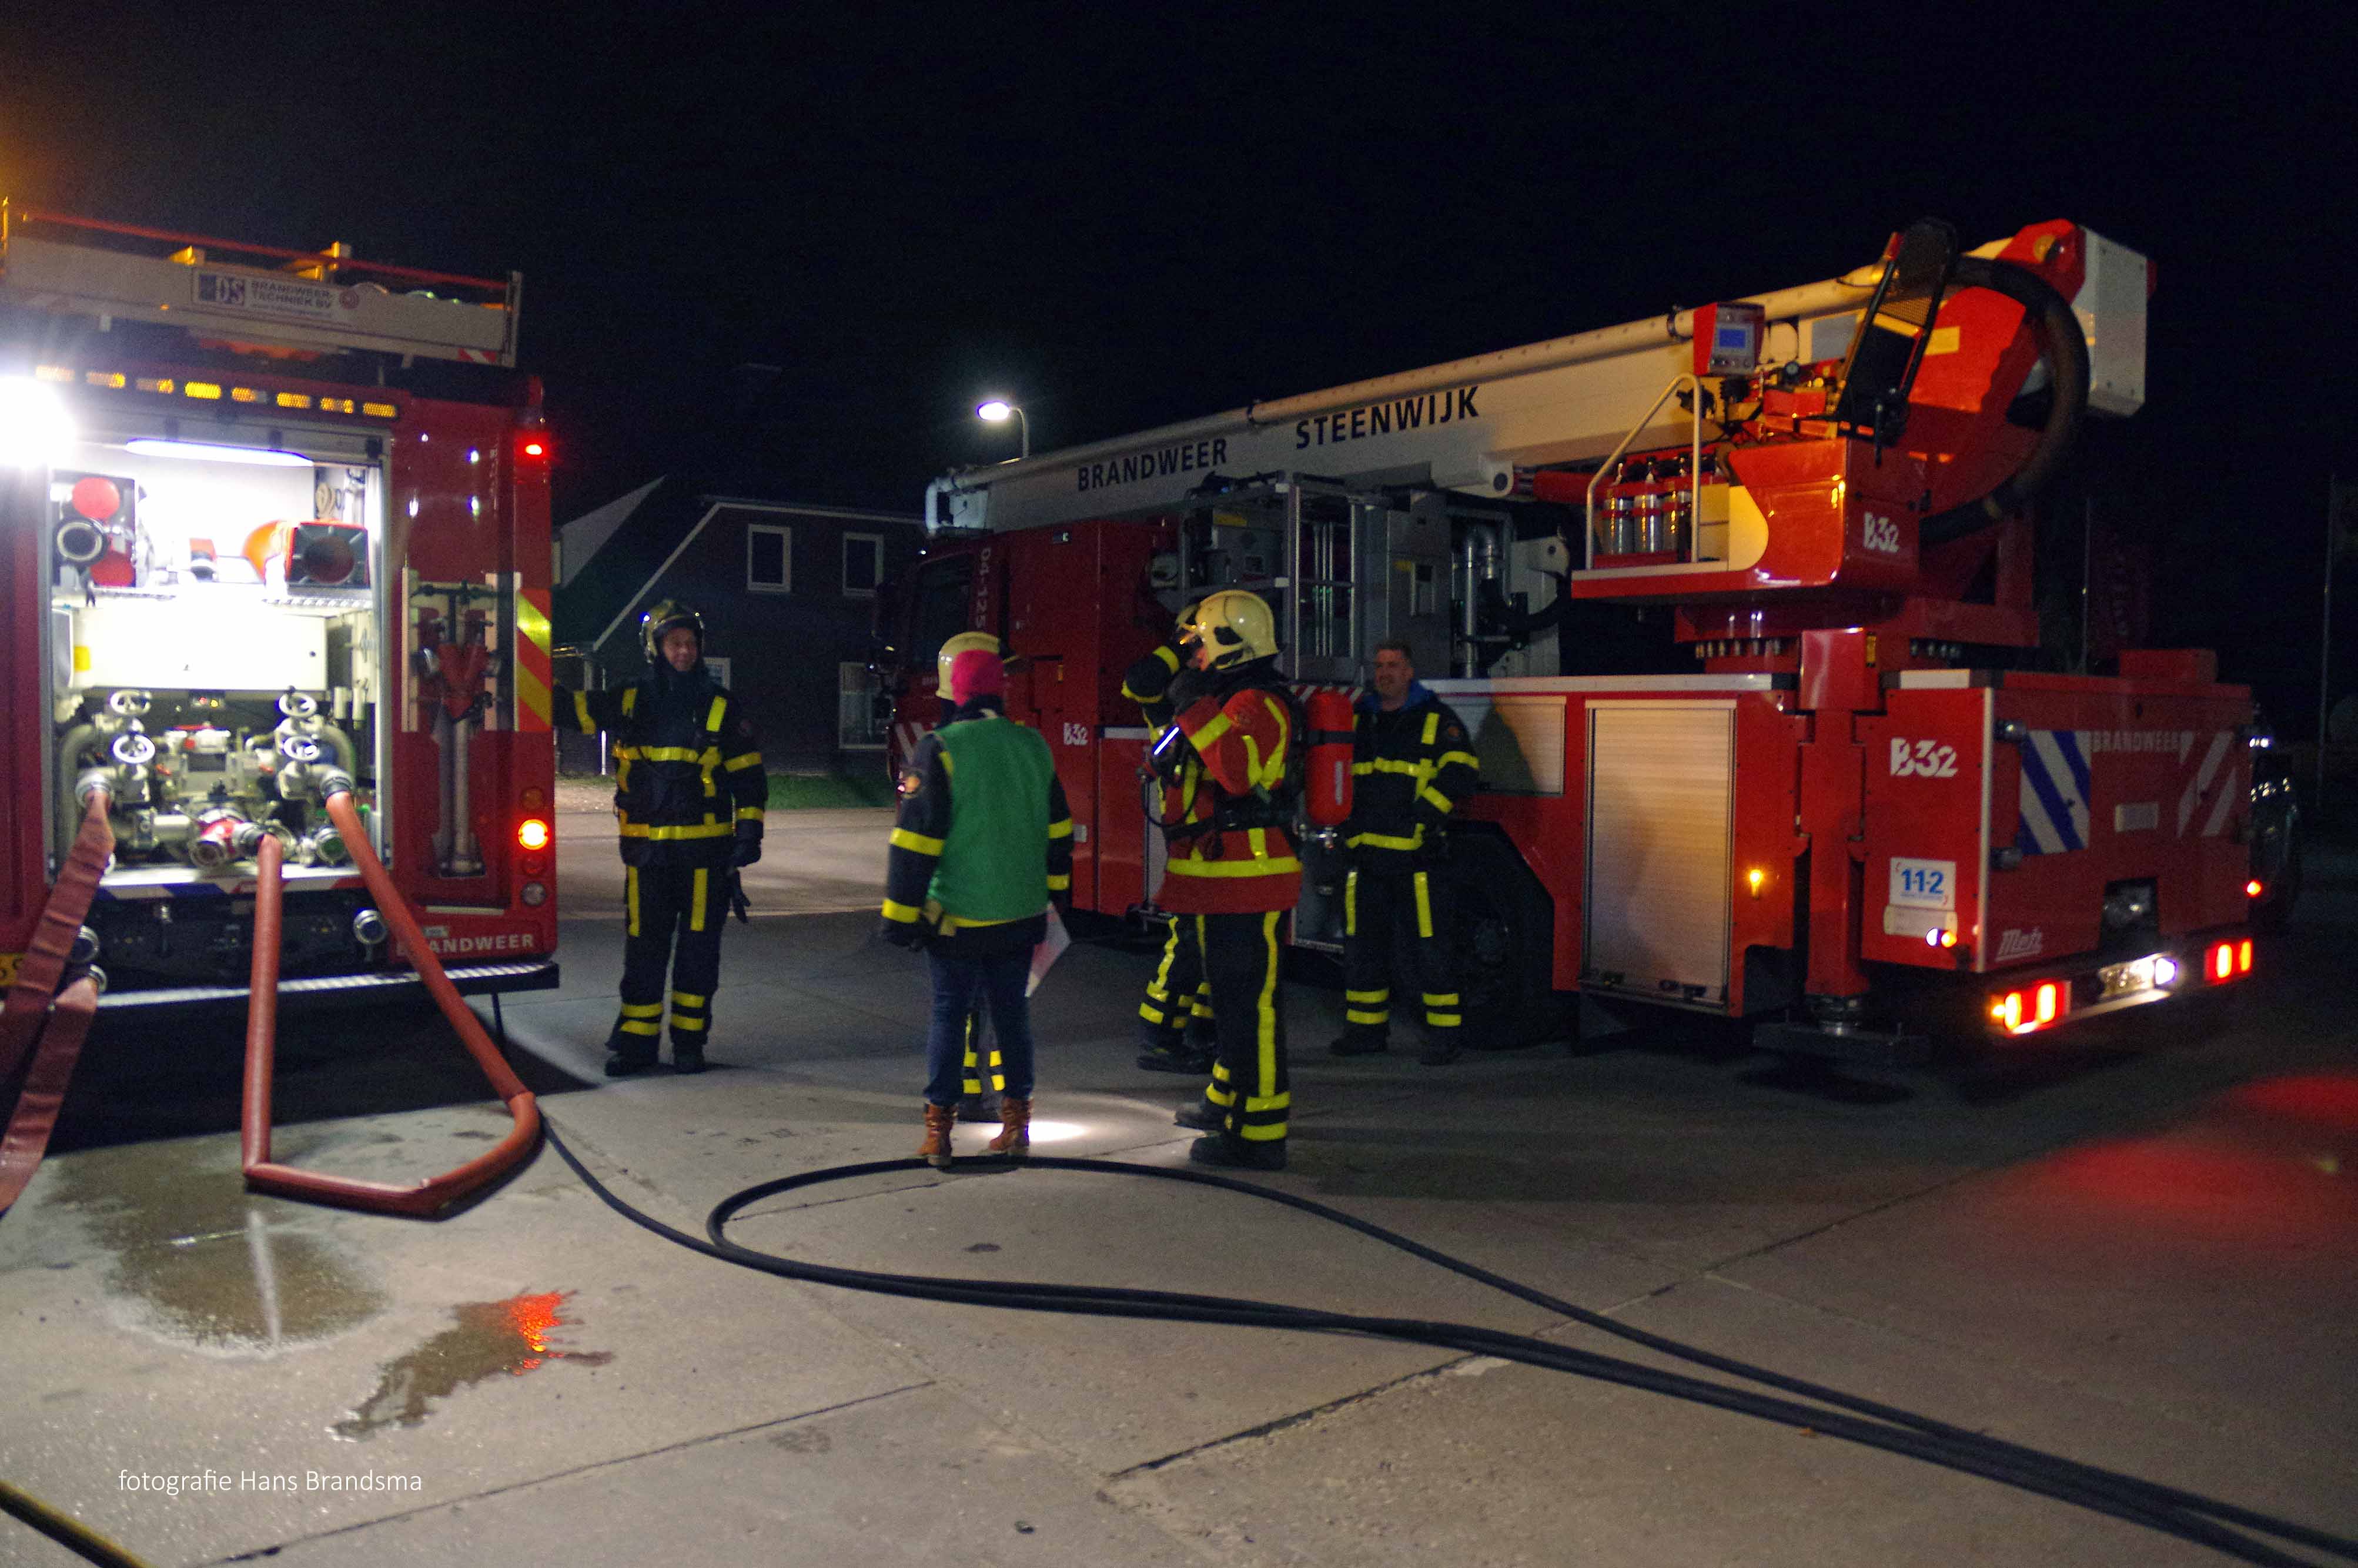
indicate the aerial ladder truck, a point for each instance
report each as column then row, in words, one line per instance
column 1738, row 603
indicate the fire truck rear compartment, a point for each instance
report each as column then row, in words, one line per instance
column 214, row 636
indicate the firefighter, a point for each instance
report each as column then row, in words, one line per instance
column 1227, row 764
column 983, row 843
column 974, row 1104
column 1411, row 768
column 689, row 792
column 1177, row 994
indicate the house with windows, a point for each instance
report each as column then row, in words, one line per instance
column 787, row 590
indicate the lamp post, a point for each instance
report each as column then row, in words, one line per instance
column 997, row 412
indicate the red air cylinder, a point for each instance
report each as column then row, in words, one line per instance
column 1327, row 789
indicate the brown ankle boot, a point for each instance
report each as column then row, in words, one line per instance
column 936, row 1149
column 1014, row 1139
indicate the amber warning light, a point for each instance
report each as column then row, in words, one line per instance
column 532, row 833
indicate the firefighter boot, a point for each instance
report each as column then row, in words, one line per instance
column 687, row 1058
column 935, row 1150
column 1201, row 1117
column 1237, row 1153
column 626, row 1055
column 1014, row 1139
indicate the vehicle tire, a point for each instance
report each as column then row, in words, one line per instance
column 1504, row 930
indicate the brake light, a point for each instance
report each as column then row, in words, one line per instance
column 532, row 833
column 2032, row 1007
column 2226, row 960
column 2254, row 888
column 2243, row 957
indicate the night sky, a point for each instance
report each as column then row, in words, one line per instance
column 1150, row 217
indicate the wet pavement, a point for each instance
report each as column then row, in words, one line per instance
column 2142, row 1253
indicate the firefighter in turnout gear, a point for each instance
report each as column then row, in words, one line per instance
column 1230, row 779
column 1411, row 768
column 689, row 792
column 1178, row 994
column 983, row 843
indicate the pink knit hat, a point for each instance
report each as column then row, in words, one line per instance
column 976, row 672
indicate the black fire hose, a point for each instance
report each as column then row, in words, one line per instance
column 2067, row 364
column 2187, row 1515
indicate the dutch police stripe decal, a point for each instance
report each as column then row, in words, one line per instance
column 2054, row 794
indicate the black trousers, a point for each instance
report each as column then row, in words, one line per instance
column 1248, row 1079
column 674, row 915
column 1177, row 991
column 1397, row 925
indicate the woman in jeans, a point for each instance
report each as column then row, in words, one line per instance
column 983, row 843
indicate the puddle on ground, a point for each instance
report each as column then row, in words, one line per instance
column 192, row 1257
column 509, row 1336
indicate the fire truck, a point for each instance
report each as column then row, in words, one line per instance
column 1737, row 603
column 270, row 519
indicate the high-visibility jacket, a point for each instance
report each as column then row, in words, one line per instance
column 1231, row 851
column 1410, row 770
column 689, row 781
column 984, row 837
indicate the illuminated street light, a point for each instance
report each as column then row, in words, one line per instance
column 35, row 431
column 997, row 412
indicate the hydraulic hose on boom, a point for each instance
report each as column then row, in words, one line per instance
column 423, row 1198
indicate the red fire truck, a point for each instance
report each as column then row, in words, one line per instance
column 265, row 515
column 1738, row 603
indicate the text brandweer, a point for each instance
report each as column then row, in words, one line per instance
column 1185, row 458
column 1383, row 419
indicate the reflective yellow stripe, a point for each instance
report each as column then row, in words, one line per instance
column 1274, row 867
column 1423, row 906
column 1149, row 1012
column 904, row 839
column 1441, row 999
column 670, row 753
column 1265, row 1015
column 1388, row 765
column 906, row 914
column 635, row 1027
column 1061, row 829
column 1448, row 757
column 1389, row 840
column 1441, row 1019
column 1432, row 727
column 1351, row 903
column 629, row 699
column 1383, row 995
column 943, row 753
column 696, row 901
column 1274, row 1102
column 739, row 764
column 1060, row 884
column 713, row 715
column 678, row 1023
column 631, row 896
column 1204, row 740
column 1440, row 801
column 708, row 830
column 1274, row 774
column 1169, row 657
column 1357, row 1015
column 642, row 1009
column 750, row 814
column 685, row 998
column 581, row 713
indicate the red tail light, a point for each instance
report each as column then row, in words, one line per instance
column 2225, row 960
column 2032, row 1007
column 532, row 833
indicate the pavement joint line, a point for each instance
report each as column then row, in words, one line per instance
column 260, row 1552
column 1299, row 1418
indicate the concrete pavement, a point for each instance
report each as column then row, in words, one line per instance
column 2139, row 1257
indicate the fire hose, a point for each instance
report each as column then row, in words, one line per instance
column 39, row 1021
column 423, row 1198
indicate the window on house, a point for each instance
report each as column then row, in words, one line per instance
column 863, row 564
column 858, row 725
column 769, row 558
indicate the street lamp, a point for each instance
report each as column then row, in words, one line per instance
column 997, row 412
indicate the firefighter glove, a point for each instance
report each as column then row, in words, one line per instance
column 910, row 934
column 1189, row 686
column 748, row 850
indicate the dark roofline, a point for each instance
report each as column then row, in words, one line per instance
column 849, row 514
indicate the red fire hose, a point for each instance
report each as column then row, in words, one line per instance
column 426, row 1198
column 31, row 1015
